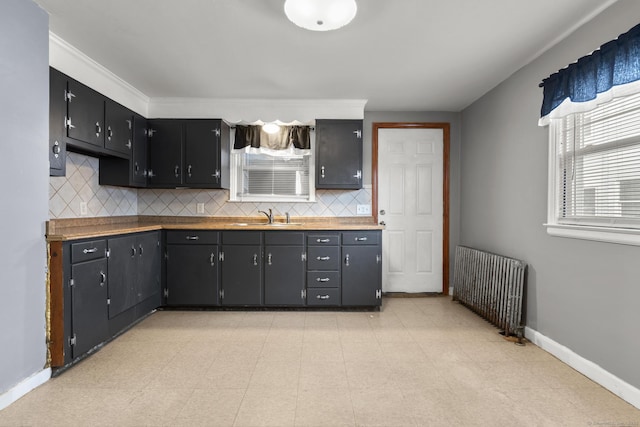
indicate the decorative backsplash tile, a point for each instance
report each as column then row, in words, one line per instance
column 80, row 186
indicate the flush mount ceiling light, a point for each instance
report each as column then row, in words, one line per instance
column 320, row 15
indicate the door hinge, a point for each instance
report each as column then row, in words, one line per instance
column 303, row 256
column 107, row 253
column 358, row 133
column 150, row 132
column 166, row 255
column 378, row 259
column 72, row 340
column 221, row 256
column 358, row 174
column 303, row 294
column 378, row 293
column 67, row 123
column 68, row 95
column 129, row 123
column 72, row 282
column 166, row 293
column 216, row 131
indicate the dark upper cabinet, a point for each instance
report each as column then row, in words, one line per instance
column 339, row 154
column 57, row 116
column 131, row 172
column 188, row 153
column 118, row 128
column 85, row 114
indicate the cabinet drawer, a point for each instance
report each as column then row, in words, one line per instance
column 194, row 237
column 86, row 251
column 323, row 279
column 321, row 258
column 323, row 239
column 295, row 238
column 360, row 238
column 323, row 296
column 242, row 238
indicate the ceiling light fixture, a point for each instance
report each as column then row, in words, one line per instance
column 320, row 15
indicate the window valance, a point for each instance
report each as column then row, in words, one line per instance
column 286, row 137
column 612, row 70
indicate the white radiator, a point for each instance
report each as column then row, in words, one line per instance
column 492, row 286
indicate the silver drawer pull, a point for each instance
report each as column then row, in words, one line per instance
column 322, row 279
column 255, row 259
column 323, row 258
column 361, row 239
column 192, row 237
column 322, row 297
column 90, row 251
column 323, row 240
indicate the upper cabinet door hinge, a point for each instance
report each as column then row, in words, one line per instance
column 358, row 133
column 68, row 96
column 72, row 282
column 150, row 132
column 216, row 131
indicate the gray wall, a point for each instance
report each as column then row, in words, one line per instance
column 584, row 295
column 454, row 119
column 24, row 124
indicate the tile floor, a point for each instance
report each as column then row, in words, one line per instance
column 417, row 362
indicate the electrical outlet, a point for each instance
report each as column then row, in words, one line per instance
column 83, row 208
column 363, row 209
column 200, row 208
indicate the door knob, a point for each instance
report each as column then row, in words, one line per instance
column 382, row 212
column 383, row 223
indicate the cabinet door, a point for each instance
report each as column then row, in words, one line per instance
column 165, row 153
column 148, row 270
column 339, row 154
column 118, row 128
column 85, row 114
column 284, row 275
column 139, row 152
column 241, row 275
column 123, row 256
column 361, row 275
column 192, row 275
column 89, row 318
column 202, row 152
column 57, row 115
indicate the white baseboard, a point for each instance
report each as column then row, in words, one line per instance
column 24, row 387
column 586, row 367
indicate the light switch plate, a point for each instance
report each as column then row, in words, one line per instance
column 363, row 209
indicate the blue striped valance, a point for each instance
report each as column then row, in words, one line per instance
column 616, row 63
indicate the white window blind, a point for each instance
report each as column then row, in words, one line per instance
column 598, row 165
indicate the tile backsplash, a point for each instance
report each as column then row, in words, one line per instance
column 80, row 186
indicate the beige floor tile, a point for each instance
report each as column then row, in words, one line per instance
column 211, row 408
column 369, row 374
column 324, row 407
column 322, row 375
column 267, row 407
column 381, row 407
column 279, row 375
column 154, row 407
column 282, row 351
column 227, row 375
column 314, row 351
column 362, row 351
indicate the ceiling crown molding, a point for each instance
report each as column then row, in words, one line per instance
column 73, row 62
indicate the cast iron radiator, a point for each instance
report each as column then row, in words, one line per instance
column 492, row 286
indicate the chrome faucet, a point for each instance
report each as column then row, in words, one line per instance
column 269, row 215
column 288, row 217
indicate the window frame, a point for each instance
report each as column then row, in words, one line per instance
column 574, row 227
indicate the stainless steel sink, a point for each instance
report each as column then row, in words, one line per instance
column 264, row 224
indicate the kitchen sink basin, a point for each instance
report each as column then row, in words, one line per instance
column 264, row 224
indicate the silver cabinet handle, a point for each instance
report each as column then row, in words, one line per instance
column 140, row 250
column 322, row 172
column 192, row 237
column 98, row 129
column 323, row 258
column 189, row 171
column 103, row 278
column 322, row 279
column 133, row 251
column 346, row 260
column 361, row 239
column 212, row 258
column 269, row 259
column 109, row 133
column 322, row 297
column 90, row 251
column 323, row 240
column 255, row 259
column 176, row 170
column 378, row 259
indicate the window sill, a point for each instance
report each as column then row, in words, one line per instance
column 622, row 236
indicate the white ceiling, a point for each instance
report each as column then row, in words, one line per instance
column 403, row 55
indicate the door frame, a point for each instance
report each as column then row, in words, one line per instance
column 446, row 130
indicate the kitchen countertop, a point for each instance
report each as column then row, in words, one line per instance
column 84, row 228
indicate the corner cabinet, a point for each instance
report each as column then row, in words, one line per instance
column 339, row 154
column 188, row 153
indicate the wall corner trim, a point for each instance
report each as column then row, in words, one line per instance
column 24, row 387
column 617, row 386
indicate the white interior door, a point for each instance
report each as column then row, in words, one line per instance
column 410, row 202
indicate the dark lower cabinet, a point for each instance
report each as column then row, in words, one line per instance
column 89, row 317
column 284, row 268
column 361, row 268
column 241, row 278
column 192, row 268
column 148, row 271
